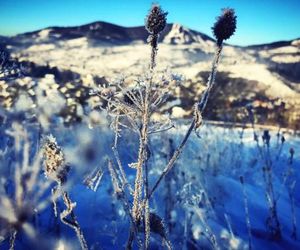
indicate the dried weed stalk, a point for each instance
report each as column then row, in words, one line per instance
column 133, row 106
column 56, row 169
column 28, row 193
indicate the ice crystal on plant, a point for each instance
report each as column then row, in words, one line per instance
column 125, row 103
column 30, row 191
column 54, row 160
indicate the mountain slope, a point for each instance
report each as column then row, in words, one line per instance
column 282, row 58
column 110, row 33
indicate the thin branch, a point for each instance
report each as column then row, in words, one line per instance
column 12, row 239
column 201, row 106
column 73, row 223
column 121, row 195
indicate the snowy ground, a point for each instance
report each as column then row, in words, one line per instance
column 201, row 201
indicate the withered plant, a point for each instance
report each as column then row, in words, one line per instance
column 135, row 106
column 56, row 170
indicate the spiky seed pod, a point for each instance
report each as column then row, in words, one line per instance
column 156, row 20
column 155, row 23
column 266, row 137
column 54, row 161
column 157, row 226
column 225, row 25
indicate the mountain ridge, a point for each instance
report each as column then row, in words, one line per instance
column 142, row 33
column 108, row 32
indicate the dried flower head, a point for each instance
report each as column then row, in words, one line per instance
column 125, row 106
column 157, row 226
column 225, row 25
column 156, row 20
column 54, row 161
column 266, row 137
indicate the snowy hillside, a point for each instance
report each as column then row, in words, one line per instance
column 267, row 76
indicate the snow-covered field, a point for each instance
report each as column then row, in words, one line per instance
column 202, row 201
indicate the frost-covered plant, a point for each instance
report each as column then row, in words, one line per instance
column 134, row 106
column 272, row 222
column 247, row 217
column 155, row 23
column 9, row 68
column 201, row 104
column 28, row 193
column 270, row 156
column 56, row 169
column 291, row 189
column 289, row 182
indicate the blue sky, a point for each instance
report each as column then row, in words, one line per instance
column 259, row 21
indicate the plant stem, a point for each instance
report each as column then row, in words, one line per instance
column 201, row 107
column 247, row 217
column 12, row 239
column 141, row 159
column 73, row 223
column 153, row 51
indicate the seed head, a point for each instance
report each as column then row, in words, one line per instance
column 54, row 161
column 156, row 20
column 225, row 25
column 266, row 137
column 242, row 179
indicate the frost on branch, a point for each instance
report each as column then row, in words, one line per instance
column 125, row 102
